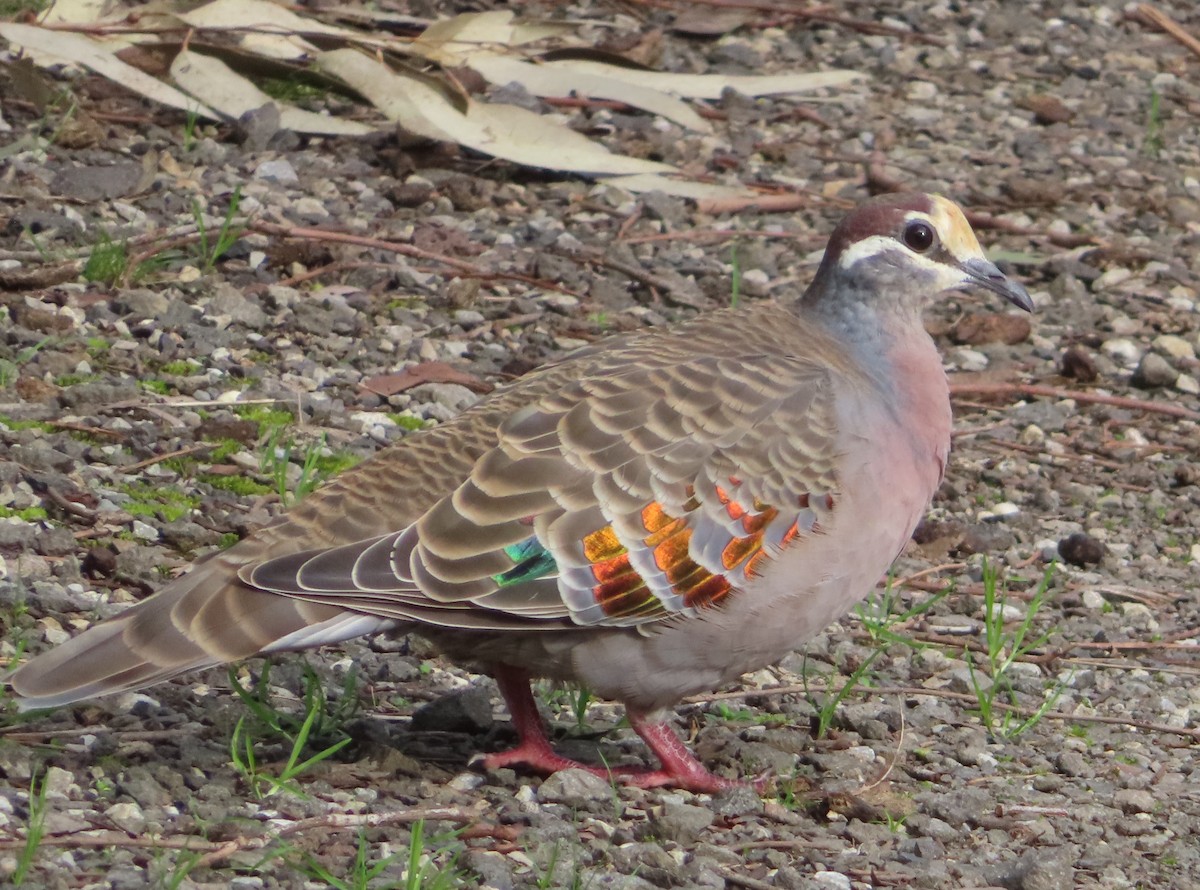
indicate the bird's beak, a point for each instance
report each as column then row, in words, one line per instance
column 985, row 274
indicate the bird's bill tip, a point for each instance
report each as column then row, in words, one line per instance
column 987, row 275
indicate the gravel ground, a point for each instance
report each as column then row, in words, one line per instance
column 138, row 425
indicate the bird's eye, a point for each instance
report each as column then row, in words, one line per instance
column 919, row 236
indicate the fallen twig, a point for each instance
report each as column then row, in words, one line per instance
column 1053, row 392
column 219, row 851
column 159, row 458
column 1149, row 15
column 969, row 697
column 826, row 14
column 463, row 268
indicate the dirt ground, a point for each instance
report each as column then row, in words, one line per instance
column 144, row 424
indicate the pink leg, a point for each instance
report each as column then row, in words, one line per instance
column 679, row 768
column 533, row 746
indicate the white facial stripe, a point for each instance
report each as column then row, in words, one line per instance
column 944, row 276
column 869, row 247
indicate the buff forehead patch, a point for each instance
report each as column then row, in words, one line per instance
column 956, row 234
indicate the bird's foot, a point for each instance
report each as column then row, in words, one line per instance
column 679, row 768
column 544, row 760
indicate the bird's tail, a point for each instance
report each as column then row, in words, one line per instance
column 205, row 618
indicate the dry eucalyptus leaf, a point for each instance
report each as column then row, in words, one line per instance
column 710, row 86
column 66, row 48
column 502, row 131
column 678, row 188
column 232, row 94
column 560, row 82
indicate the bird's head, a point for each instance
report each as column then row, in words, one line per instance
column 897, row 252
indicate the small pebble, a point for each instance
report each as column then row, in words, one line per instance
column 1081, row 549
column 1154, row 371
column 1124, row 352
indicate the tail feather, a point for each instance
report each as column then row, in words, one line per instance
column 206, row 618
column 209, row 617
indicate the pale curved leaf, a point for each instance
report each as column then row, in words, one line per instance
column 678, row 188
column 77, row 12
column 557, row 81
column 710, row 86
column 213, row 81
column 225, row 15
column 502, row 131
column 456, row 41
column 65, row 47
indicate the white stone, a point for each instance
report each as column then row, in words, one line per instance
column 310, row 208
column 999, row 512
column 1032, row 435
column 1093, row 599
column 368, row 420
column 1111, row 278
column 128, row 817
column 1124, row 325
column 1187, row 384
column 970, row 359
column 1122, row 351
column 466, row 781
column 831, row 880
column 922, row 90
column 278, row 170
column 53, row 631
column 1012, row 612
column 865, row 753
column 144, row 531
column 1135, row 437
column 1173, row 346
column 59, row 784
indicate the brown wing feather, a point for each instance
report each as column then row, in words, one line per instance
column 659, row 422
column 665, row 413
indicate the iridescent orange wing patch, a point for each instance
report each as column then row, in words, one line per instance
column 621, row 592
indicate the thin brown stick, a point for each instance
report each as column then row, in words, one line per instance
column 469, row 270
column 932, row 570
column 782, row 203
column 70, row 427
column 669, row 291
column 1088, row 458
column 159, row 458
column 327, row 269
column 1053, row 392
column 215, row 852
column 1149, row 15
column 308, row 233
column 785, row 12
column 748, row 883
column 135, row 262
column 968, row 697
column 26, row 737
column 980, row 220
column 899, row 747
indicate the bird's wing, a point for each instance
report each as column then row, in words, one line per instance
column 633, row 481
column 640, row 492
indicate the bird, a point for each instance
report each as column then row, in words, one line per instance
column 652, row 516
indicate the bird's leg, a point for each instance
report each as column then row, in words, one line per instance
column 533, row 746
column 679, row 768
